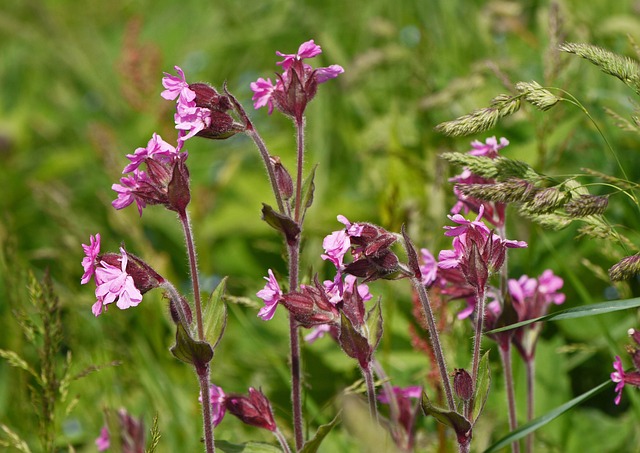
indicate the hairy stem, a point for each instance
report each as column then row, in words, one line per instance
column 282, row 441
column 505, row 356
column 193, row 267
column 203, row 379
column 477, row 340
column 530, row 371
column 371, row 391
column 394, row 409
column 435, row 340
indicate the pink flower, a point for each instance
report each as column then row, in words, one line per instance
column 271, row 294
column 91, row 252
column 353, row 229
column 191, row 119
column 217, row 400
column 548, row 284
column 489, row 149
column 406, row 392
column 618, row 377
column 466, row 224
column 428, row 268
column 262, row 91
column 103, row 442
column 330, row 72
column 307, row 49
column 128, row 188
column 156, row 149
column 336, row 245
column 317, row 332
column 176, row 87
column 115, row 284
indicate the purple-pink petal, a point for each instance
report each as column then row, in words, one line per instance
column 262, row 92
column 176, row 86
column 115, row 283
column 103, row 442
column 428, row 268
column 91, row 252
column 271, row 294
column 330, row 72
column 156, row 148
column 336, row 245
column 618, row 377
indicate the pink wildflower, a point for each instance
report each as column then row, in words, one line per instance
column 216, row 399
column 428, row 268
column 103, row 441
column 156, row 149
column 307, row 49
column 177, row 87
column 618, row 377
column 490, row 148
column 91, row 252
column 271, row 294
column 115, row 284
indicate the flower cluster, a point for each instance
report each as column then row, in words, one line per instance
column 297, row 85
column 477, row 251
column 120, row 277
column 494, row 212
column 621, row 377
column 200, row 109
column 165, row 182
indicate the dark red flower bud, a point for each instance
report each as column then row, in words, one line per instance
column 462, row 384
column 310, row 306
column 373, row 268
column 283, row 178
column 254, row 410
column 178, row 192
column 208, row 97
column 186, row 309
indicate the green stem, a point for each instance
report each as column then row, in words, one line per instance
column 505, row 356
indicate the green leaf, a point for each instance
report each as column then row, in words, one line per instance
column 215, row 315
column 533, row 425
column 374, row 324
column 286, row 225
column 188, row 350
column 577, row 312
column 460, row 425
column 312, row 445
column 248, row 447
column 308, row 187
column 482, row 387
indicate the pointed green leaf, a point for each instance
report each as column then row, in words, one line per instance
column 312, row 445
column 286, row 225
column 248, row 447
column 188, row 350
column 577, row 312
column 353, row 343
column 308, row 187
column 374, row 324
column 482, row 387
column 533, row 425
column 215, row 315
column 460, row 425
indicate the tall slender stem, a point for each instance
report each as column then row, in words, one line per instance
column 477, row 340
column 435, row 340
column 203, row 379
column 282, row 440
column 505, row 355
column 300, row 162
column 264, row 153
column 530, row 371
column 371, row 391
column 193, row 267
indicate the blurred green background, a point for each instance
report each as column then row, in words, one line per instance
column 79, row 89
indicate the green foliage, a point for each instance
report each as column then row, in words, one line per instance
column 79, row 89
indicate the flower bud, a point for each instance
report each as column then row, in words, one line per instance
column 283, row 178
column 186, row 309
column 178, row 192
column 462, row 384
column 310, row 306
column 254, row 410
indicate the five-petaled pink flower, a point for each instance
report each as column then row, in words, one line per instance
column 428, row 268
column 103, row 442
column 271, row 294
column 91, row 252
column 113, row 284
column 618, row 377
column 156, row 149
column 128, row 188
column 297, row 85
column 177, row 87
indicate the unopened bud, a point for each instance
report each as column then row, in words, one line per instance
column 178, row 192
column 283, row 178
column 462, row 384
column 254, row 410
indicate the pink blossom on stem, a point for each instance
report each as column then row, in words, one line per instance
column 127, row 189
column 353, row 229
column 91, row 252
column 113, row 284
column 156, row 149
column 465, row 224
column 271, row 294
column 336, row 245
column 428, row 268
column 307, row 49
column 103, row 441
column 618, row 377
column 489, row 149
column 191, row 119
column 262, row 91
column 176, row 87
